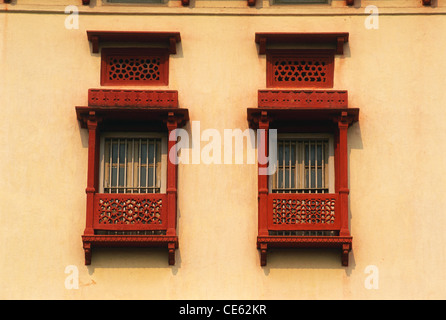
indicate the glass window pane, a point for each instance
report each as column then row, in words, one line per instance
column 132, row 165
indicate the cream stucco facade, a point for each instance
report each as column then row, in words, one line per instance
column 397, row 177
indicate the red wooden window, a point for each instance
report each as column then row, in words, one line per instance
column 135, row 66
column 305, row 202
column 124, row 209
column 300, row 215
column 300, row 68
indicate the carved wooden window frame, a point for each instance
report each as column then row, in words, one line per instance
column 301, row 218
column 130, row 111
column 304, row 118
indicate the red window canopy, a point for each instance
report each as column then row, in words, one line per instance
column 338, row 39
column 169, row 39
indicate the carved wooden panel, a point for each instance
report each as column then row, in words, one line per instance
column 135, row 66
column 300, row 69
column 296, row 211
column 130, row 211
column 132, row 98
column 303, row 98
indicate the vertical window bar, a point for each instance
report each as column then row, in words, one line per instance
column 125, row 166
column 147, row 166
column 323, row 166
column 154, row 166
column 133, row 165
column 111, row 166
column 283, row 166
column 139, row 167
column 316, row 166
column 118, row 168
column 296, row 170
column 290, row 169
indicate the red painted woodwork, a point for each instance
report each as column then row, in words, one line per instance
column 297, row 211
column 185, row 2
column 350, row 2
column 266, row 242
column 135, row 66
column 133, row 98
column 427, row 2
column 337, row 39
column 252, row 3
column 304, row 212
column 110, row 241
column 85, row 2
column 303, row 98
column 299, row 68
column 167, row 39
column 129, row 212
column 134, row 212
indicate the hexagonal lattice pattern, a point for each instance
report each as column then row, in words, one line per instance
column 130, row 211
column 134, row 68
column 306, row 211
column 300, row 70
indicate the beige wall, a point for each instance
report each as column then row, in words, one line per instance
column 394, row 74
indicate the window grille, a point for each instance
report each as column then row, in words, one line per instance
column 135, row 66
column 300, row 69
column 132, row 165
column 302, row 166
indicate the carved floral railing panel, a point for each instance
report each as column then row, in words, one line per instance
column 130, row 211
column 303, row 212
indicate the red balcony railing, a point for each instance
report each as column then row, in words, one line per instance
column 129, row 212
column 303, row 211
column 131, row 220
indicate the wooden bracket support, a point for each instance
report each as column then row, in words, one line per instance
column 345, row 251
column 171, row 247
column 87, row 253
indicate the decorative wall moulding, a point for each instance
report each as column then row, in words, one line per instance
column 303, row 98
column 135, row 98
column 169, row 39
column 338, row 39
